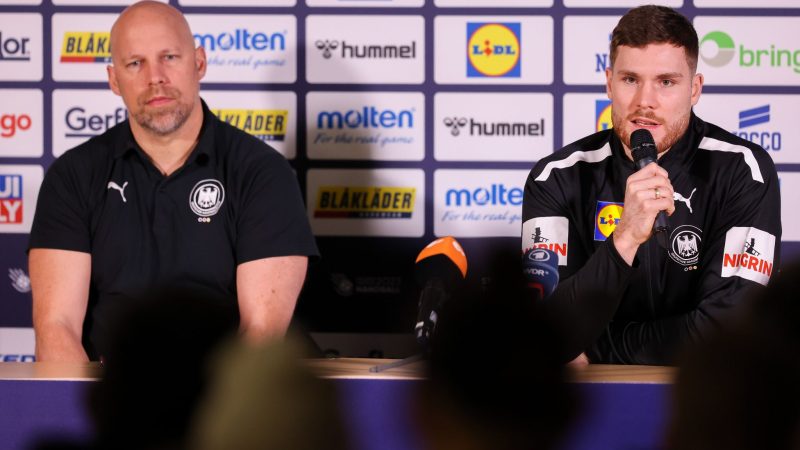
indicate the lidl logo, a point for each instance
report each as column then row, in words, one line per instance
column 602, row 115
column 606, row 219
column 371, row 202
column 86, row 47
column 265, row 124
column 10, row 199
column 493, row 50
column 717, row 49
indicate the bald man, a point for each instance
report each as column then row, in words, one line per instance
column 172, row 197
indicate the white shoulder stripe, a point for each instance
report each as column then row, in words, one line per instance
column 592, row 156
column 715, row 144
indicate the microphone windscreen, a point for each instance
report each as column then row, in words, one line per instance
column 642, row 145
column 540, row 267
column 449, row 248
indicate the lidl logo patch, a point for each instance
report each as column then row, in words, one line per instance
column 602, row 115
column 493, row 50
column 606, row 219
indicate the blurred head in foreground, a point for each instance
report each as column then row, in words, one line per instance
column 496, row 378
column 155, row 368
column 263, row 398
column 741, row 388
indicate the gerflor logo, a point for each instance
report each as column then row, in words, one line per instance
column 14, row 48
column 718, row 49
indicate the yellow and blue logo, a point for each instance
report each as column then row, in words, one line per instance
column 265, row 124
column 606, row 219
column 602, row 115
column 493, row 50
column 365, row 202
column 86, row 47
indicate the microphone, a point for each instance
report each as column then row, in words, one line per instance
column 540, row 267
column 440, row 268
column 643, row 149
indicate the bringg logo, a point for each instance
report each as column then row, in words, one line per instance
column 724, row 50
column 10, row 123
column 83, row 125
column 366, row 117
column 241, row 39
column 495, row 194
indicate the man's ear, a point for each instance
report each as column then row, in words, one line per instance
column 200, row 63
column 112, row 79
column 697, row 87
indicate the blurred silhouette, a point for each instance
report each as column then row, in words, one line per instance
column 155, row 369
column 741, row 388
column 263, row 398
column 496, row 378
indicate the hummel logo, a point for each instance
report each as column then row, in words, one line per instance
column 112, row 185
column 688, row 201
column 454, row 123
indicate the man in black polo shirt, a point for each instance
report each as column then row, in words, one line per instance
column 172, row 197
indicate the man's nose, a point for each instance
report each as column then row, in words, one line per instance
column 156, row 73
column 646, row 96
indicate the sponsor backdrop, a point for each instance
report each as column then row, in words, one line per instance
column 405, row 120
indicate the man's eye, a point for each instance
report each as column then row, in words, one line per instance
column 132, row 64
column 667, row 83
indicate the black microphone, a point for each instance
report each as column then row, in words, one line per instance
column 643, row 149
column 440, row 269
column 540, row 267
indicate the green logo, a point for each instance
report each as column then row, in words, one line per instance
column 720, row 54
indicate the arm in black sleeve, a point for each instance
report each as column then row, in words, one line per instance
column 739, row 255
column 592, row 280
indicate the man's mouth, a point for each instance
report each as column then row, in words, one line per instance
column 644, row 122
column 158, row 101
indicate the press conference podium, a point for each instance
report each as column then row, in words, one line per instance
column 625, row 407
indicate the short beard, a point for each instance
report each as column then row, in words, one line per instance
column 674, row 130
column 163, row 123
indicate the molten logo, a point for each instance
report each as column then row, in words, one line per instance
column 86, row 47
column 607, row 218
column 10, row 199
column 493, row 50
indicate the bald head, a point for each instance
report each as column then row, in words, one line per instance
column 149, row 13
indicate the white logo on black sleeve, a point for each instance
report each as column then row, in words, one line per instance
column 206, row 198
column 685, row 243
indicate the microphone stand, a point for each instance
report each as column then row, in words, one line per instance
column 398, row 363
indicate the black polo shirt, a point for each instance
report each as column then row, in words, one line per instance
column 234, row 200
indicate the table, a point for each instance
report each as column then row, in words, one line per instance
column 625, row 406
